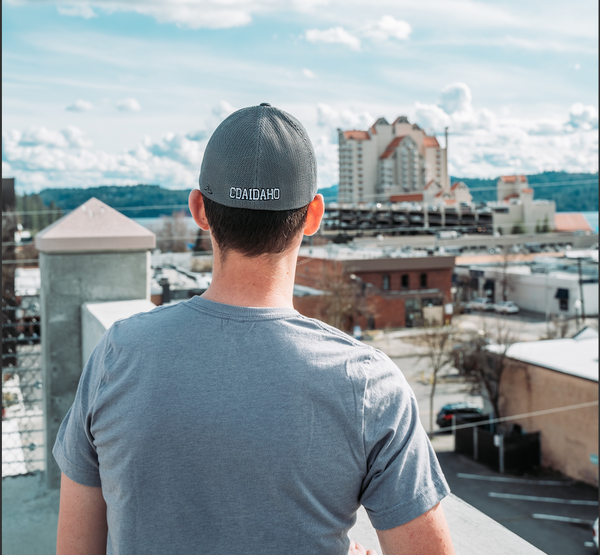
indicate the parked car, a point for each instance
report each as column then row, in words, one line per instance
column 481, row 303
column 464, row 411
column 506, row 307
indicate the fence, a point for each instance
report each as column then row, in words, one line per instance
column 22, row 401
column 501, row 452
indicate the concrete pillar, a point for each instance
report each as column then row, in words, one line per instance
column 93, row 254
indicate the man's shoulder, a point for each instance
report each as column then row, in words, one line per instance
column 328, row 341
column 142, row 323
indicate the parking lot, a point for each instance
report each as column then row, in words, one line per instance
column 528, row 505
column 554, row 529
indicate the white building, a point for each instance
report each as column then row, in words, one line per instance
column 548, row 286
column 390, row 162
column 515, row 211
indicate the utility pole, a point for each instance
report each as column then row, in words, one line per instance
column 581, row 291
column 447, row 172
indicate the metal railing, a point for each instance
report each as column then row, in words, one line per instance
column 22, row 387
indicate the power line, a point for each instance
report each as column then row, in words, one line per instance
column 185, row 206
column 119, row 209
column 526, row 415
column 539, row 185
column 495, row 187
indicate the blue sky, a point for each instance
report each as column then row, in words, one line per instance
column 128, row 91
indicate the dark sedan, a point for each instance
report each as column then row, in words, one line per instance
column 462, row 411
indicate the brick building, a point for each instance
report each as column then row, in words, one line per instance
column 543, row 376
column 386, row 292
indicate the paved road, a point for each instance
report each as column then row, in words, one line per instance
column 552, row 537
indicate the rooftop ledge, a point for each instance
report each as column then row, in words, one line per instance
column 94, row 227
column 30, row 525
column 473, row 532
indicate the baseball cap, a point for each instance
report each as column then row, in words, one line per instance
column 259, row 158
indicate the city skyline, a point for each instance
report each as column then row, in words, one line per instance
column 129, row 91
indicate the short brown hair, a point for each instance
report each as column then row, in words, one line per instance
column 253, row 232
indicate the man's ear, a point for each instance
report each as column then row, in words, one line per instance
column 316, row 209
column 196, row 204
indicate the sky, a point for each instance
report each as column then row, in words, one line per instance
column 120, row 92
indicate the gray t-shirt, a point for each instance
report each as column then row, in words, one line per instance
column 221, row 429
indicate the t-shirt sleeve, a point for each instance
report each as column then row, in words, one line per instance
column 74, row 449
column 404, row 479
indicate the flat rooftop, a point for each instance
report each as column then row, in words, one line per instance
column 577, row 356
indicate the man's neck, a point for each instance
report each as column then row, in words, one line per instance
column 263, row 281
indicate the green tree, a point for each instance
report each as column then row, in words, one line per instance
column 546, row 225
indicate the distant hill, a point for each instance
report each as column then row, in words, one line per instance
column 572, row 192
column 149, row 201
column 330, row 194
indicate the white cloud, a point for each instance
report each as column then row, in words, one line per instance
column 455, row 110
column 388, row 27
column 194, row 14
column 308, row 74
column 79, row 9
column 76, row 137
column 222, row 110
column 482, row 144
column 455, row 97
column 80, row 106
column 128, row 105
column 41, row 157
column 175, row 147
column 326, row 152
column 346, row 118
column 583, row 117
column 35, row 136
column 335, row 35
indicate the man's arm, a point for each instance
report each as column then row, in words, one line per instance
column 427, row 534
column 82, row 526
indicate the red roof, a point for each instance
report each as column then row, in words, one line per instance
column 431, row 182
column 456, row 185
column 357, row 135
column 429, row 142
column 513, row 195
column 528, row 190
column 409, row 197
column 571, row 221
column 513, row 178
column 373, row 129
column 391, row 147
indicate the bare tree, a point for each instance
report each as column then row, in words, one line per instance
column 482, row 358
column 437, row 344
column 339, row 303
column 557, row 327
column 506, row 280
column 173, row 235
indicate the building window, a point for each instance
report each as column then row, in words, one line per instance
column 386, row 282
column 563, row 304
column 423, row 280
column 404, row 281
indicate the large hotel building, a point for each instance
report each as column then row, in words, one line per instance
column 391, row 162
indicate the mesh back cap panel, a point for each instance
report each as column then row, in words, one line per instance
column 259, row 158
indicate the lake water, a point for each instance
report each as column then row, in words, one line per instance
column 592, row 218
column 155, row 223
